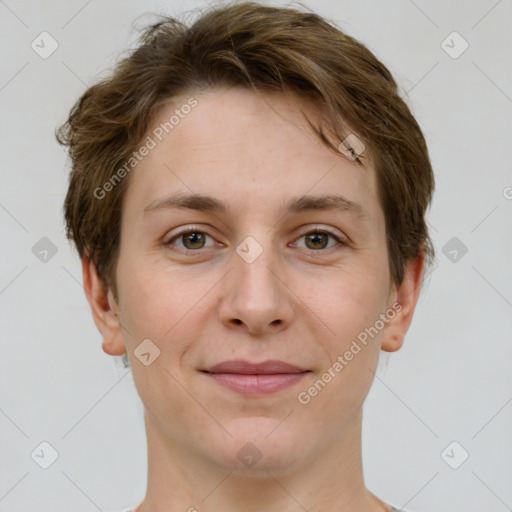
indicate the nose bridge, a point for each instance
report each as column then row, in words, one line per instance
column 255, row 294
column 256, row 261
column 254, row 273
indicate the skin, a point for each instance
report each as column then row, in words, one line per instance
column 299, row 302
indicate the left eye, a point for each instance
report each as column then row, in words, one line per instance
column 191, row 240
column 319, row 239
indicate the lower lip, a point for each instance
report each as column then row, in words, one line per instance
column 257, row 384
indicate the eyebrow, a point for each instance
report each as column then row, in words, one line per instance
column 295, row 205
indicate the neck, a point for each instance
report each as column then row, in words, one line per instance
column 332, row 479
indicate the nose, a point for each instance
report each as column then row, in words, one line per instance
column 255, row 296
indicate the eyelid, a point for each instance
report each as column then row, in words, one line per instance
column 313, row 228
column 183, row 230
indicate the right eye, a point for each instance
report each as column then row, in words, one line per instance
column 191, row 240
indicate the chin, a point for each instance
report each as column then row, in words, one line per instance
column 262, row 444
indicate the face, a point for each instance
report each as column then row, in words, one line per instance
column 283, row 259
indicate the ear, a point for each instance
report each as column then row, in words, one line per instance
column 104, row 309
column 404, row 299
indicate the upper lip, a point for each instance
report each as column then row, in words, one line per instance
column 269, row 367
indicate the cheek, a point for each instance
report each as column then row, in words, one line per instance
column 156, row 308
column 165, row 306
column 352, row 352
column 354, row 308
column 353, row 303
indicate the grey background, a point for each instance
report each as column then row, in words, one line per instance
column 450, row 382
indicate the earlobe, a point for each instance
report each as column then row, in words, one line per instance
column 407, row 295
column 104, row 309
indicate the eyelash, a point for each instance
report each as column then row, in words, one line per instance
column 337, row 238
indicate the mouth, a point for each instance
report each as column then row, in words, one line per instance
column 249, row 378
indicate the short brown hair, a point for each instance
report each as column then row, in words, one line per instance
column 268, row 49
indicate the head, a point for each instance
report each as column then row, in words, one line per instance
column 249, row 187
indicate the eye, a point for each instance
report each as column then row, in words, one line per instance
column 191, row 240
column 317, row 239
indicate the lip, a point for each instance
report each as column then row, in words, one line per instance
column 269, row 367
column 255, row 378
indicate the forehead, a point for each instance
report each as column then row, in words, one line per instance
column 242, row 146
